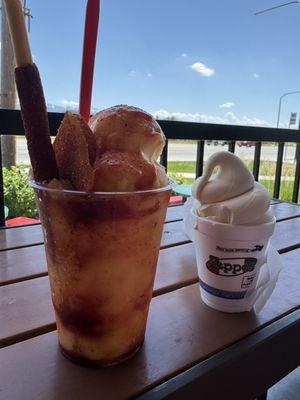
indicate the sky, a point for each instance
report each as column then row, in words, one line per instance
column 209, row 61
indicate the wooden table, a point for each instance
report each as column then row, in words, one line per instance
column 190, row 351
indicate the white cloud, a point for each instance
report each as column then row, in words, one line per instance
column 132, row 73
column 228, row 104
column 228, row 118
column 70, row 103
column 202, row 69
column 255, row 75
column 139, row 74
column 183, row 55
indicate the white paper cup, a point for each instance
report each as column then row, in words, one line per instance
column 229, row 258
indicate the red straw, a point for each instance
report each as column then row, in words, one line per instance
column 88, row 57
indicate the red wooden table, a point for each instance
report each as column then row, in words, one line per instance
column 190, row 350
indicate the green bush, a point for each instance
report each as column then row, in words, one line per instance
column 179, row 178
column 18, row 195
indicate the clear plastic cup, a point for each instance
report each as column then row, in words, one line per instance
column 101, row 251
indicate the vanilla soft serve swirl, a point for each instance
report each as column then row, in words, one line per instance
column 231, row 195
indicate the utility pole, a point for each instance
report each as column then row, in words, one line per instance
column 8, row 89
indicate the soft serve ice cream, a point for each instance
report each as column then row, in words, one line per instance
column 230, row 222
column 231, row 195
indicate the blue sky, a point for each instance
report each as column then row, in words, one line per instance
column 197, row 60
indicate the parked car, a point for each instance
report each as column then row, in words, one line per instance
column 216, row 142
column 246, row 143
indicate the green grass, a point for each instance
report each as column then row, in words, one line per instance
column 181, row 166
column 267, row 169
column 286, row 189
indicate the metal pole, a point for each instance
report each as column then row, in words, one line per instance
column 280, row 145
column 279, row 110
column 279, row 106
column 280, row 151
column 8, row 91
column 273, row 8
column 285, row 147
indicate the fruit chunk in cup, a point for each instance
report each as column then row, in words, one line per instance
column 102, row 251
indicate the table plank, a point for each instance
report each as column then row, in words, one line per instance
column 32, row 235
column 174, row 213
column 181, row 331
column 286, row 234
column 20, row 237
column 26, row 307
column 26, row 263
column 276, row 346
column 173, row 234
column 275, row 201
column 14, row 237
column 176, row 268
column 283, row 210
column 25, row 310
column 21, row 264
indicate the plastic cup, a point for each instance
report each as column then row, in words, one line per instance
column 101, row 251
column 229, row 260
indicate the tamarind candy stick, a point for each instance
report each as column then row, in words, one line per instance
column 31, row 96
column 35, row 122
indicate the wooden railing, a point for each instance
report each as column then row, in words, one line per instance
column 11, row 124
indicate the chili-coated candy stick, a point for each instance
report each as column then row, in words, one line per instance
column 35, row 122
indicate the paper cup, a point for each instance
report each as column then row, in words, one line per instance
column 229, row 258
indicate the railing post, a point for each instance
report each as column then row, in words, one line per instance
column 200, row 157
column 164, row 156
column 231, row 146
column 278, row 170
column 2, row 214
column 256, row 163
column 297, row 175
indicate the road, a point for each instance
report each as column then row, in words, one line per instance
column 187, row 152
